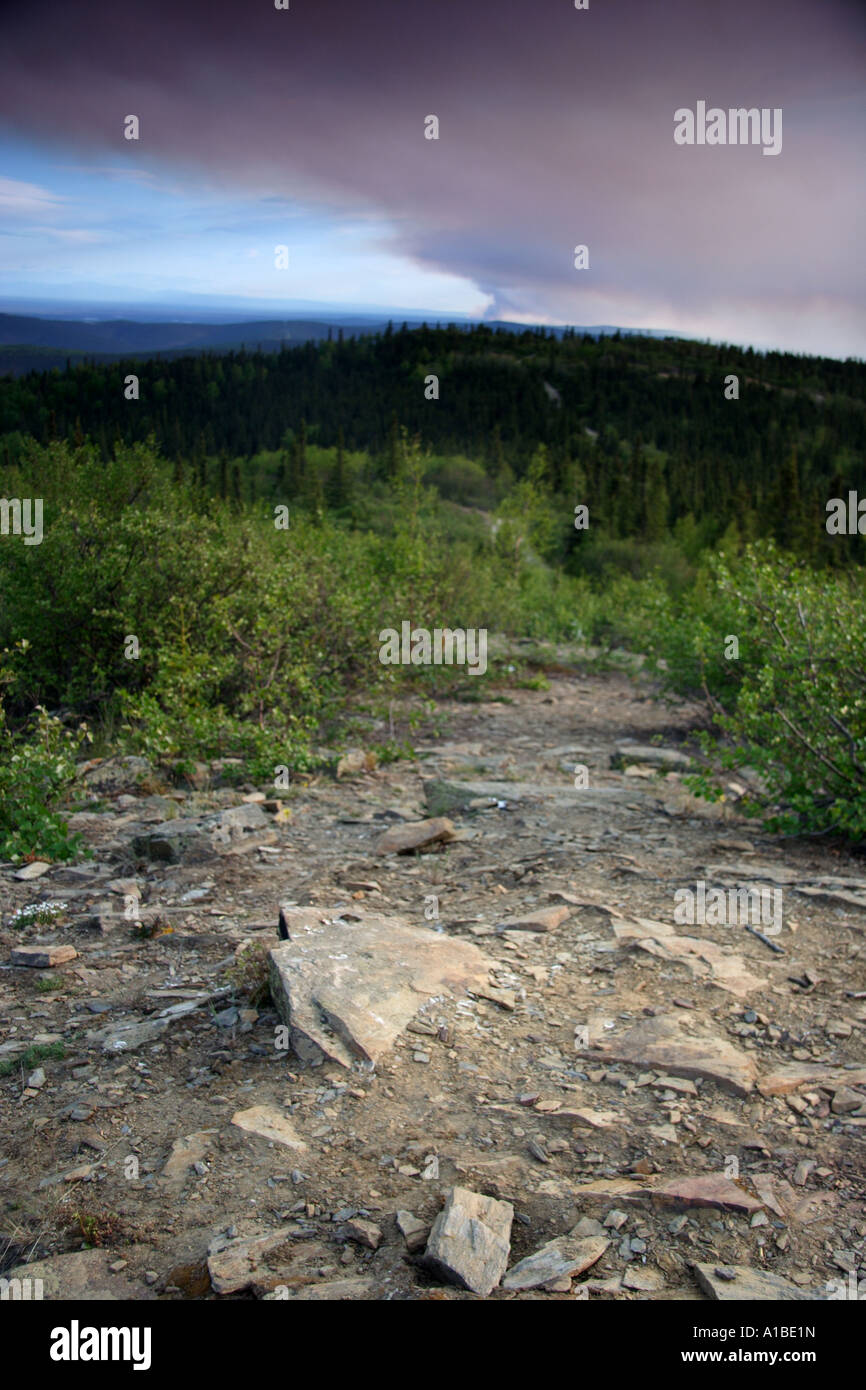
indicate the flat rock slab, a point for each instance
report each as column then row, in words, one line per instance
column 643, row 1280
column 34, row 870
column 789, row 1079
column 42, row 957
column 704, row 958
column 129, row 1037
column 585, row 799
column 563, row 1258
column 840, row 895
column 111, row 776
column 752, row 872
column 277, row 1264
column 193, row 841
column 186, row 1151
column 646, row 753
column 234, row 1264
column 704, row 1190
column 402, row 839
column 470, row 1241
column 269, row 1124
column 347, row 988
column 790, row 1204
column 546, row 919
column 331, row 1291
column 662, row 1042
column 82, row 1275
column 585, row 1117
column 736, row 1283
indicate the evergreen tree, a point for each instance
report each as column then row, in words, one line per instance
column 656, row 502
column 337, row 486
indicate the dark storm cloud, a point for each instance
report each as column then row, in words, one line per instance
column 556, row 129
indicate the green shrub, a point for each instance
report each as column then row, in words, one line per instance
column 37, row 767
column 791, row 705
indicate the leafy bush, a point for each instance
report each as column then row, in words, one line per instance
column 800, row 712
column 37, row 767
column 791, row 705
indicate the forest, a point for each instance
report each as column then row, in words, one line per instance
column 645, row 429
column 226, row 535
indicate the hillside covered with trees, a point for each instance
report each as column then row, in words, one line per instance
column 643, row 430
column 220, row 554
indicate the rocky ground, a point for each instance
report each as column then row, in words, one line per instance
column 545, row 1060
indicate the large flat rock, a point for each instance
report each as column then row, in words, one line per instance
column 704, row 958
column 646, row 753
column 471, row 1240
column 680, row 1192
column 662, row 1042
column 788, row 1079
column 268, row 1123
column 195, row 840
column 563, row 1258
column 739, row 1283
column 412, row 835
column 347, row 987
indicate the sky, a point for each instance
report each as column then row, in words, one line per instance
column 305, row 128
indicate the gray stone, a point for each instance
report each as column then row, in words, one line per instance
column 227, row 829
column 646, row 753
column 413, row 1231
column 362, row 1232
column 564, row 1257
column 735, row 1283
column 331, row 1291
column 470, row 1241
column 643, row 1280
column 845, row 1100
column 129, row 1037
column 173, row 841
column 193, row 840
column 34, row 870
column 115, row 775
column 347, row 988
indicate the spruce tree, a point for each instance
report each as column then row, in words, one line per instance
column 337, row 489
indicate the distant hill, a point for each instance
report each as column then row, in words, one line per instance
column 33, row 343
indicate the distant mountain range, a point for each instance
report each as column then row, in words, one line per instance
column 30, row 342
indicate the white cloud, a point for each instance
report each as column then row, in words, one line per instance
column 24, row 199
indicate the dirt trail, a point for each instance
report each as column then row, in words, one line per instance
column 644, row 1081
